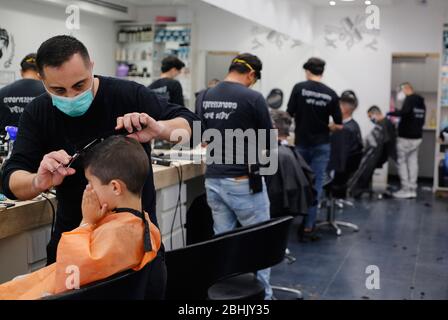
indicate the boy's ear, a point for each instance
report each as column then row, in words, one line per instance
column 117, row 187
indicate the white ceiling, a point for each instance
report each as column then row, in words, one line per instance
column 318, row 3
column 325, row 3
column 158, row 2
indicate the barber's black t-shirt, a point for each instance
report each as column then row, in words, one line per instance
column 231, row 105
column 15, row 97
column 43, row 129
column 412, row 115
column 312, row 103
column 169, row 88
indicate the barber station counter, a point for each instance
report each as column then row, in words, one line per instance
column 25, row 228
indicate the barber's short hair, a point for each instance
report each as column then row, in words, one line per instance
column 29, row 63
column 349, row 97
column 315, row 65
column 282, row 121
column 171, row 62
column 245, row 63
column 406, row 84
column 55, row 51
column 375, row 110
column 120, row 158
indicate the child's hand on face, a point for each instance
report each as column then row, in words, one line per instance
column 92, row 210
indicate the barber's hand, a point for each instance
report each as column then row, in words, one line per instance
column 146, row 127
column 92, row 210
column 52, row 171
column 335, row 127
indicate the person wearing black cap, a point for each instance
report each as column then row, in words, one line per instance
column 14, row 97
column 312, row 103
column 346, row 145
column 167, row 85
column 231, row 106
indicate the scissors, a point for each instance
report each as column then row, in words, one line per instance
column 100, row 138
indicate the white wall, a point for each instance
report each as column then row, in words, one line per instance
column 404, row 27
column 32, row 23
column 296, row 15
column 219, row 30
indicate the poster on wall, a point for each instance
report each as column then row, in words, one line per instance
column 7, row 48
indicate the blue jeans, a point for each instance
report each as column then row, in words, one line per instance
column 317, row 158
column 231, row 202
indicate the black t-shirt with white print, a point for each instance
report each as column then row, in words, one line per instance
column 15, row 97
column 311, row 104
column 232, row 106
column 169, row 88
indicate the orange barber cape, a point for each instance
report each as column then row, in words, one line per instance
column 89, row 254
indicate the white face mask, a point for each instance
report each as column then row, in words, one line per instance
column 401, row 96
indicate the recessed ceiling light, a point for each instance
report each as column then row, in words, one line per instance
column 368, row 2
column 332, row 3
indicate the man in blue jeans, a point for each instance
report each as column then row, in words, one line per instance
column 231, row 107
column 312, row 103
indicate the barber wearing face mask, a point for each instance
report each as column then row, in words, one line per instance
column 78, row 107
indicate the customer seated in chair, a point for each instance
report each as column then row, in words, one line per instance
column 291, row 189
column 113, row 235
column 346, row 146
column 380, row 146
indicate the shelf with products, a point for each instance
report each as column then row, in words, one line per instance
column 134, row 52
column 441, row 152
column 141, row 48
column 174, row 39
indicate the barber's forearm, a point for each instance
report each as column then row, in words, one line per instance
column 176, row 130
column 21, row 185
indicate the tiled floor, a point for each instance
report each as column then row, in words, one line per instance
column 406, row 239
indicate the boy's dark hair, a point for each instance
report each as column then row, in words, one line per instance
column 59, row 49
column 315, row 65
column 350, row 98
column 374, row 109
column 172, row 62
column 29, row 63
column 245, row 63
column 282, row 121
column 121, row 158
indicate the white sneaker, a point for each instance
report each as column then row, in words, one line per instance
column 412, row 194
column 403, row 194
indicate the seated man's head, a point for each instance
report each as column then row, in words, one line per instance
column 348, row 103
column 117, row 169
column 172, row 67
column 375, row 115
column 282, row 122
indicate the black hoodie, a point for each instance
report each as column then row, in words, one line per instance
column 412, row 117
